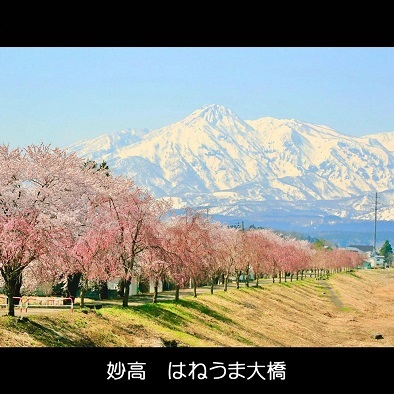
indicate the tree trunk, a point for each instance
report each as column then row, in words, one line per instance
column 11, row 308
column 212, row 284
column 121, row 288
column 18, row 285
column 177, row 293
column 226, row 282
column 84, row 288
column 72, row 285
column 237, row 280
column 126, row 293
column 273, row 272
column 11, row 286
column 194, row 289
column 13, row 281
column 155, row 291
column 103, row 292
column 82, row 296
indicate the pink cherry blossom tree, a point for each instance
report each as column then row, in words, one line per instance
column 42, row 191
column 199, row 249
column 272, row 253
column 190, row 242
column 133, row 215
column 91, row 256
column 229, row 252
column 158, row 261
column 155, row 266
column 21, row 242
column 298, row 256
column 260, row 245
column 242, row 265
column 213, row 263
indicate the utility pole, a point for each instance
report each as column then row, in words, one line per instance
column 376, row 210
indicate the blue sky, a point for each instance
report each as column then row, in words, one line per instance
column 60, row 95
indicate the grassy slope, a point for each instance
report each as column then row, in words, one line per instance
column 346, row 310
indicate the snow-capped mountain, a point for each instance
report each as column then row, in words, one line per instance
column 252, row 168
column 384, row 139
column 105, row 145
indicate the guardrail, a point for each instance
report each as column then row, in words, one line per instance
column 25, row 302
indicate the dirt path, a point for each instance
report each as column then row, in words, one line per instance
column 334, row 298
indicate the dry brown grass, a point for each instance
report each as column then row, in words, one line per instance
column 347, row 310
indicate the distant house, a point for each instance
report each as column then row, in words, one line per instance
column 377, row 261
column 373, row 260
column 135, row 287
column 366, row 265
column 363, row 249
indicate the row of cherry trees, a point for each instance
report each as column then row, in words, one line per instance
column 63, row 217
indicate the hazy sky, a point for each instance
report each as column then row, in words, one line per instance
column 60, row 95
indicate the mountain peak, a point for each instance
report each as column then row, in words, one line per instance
column 215, row 115
column 213, row 112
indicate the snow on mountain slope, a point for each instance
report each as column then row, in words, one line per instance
column 105, row 145
column 326, row 163
column 384, row 139
column 214, row 158
column 210, row 150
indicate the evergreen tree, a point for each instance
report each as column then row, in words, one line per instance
column 322, row 244
column 101, row 167
column 104, row 166
column 387, row 251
